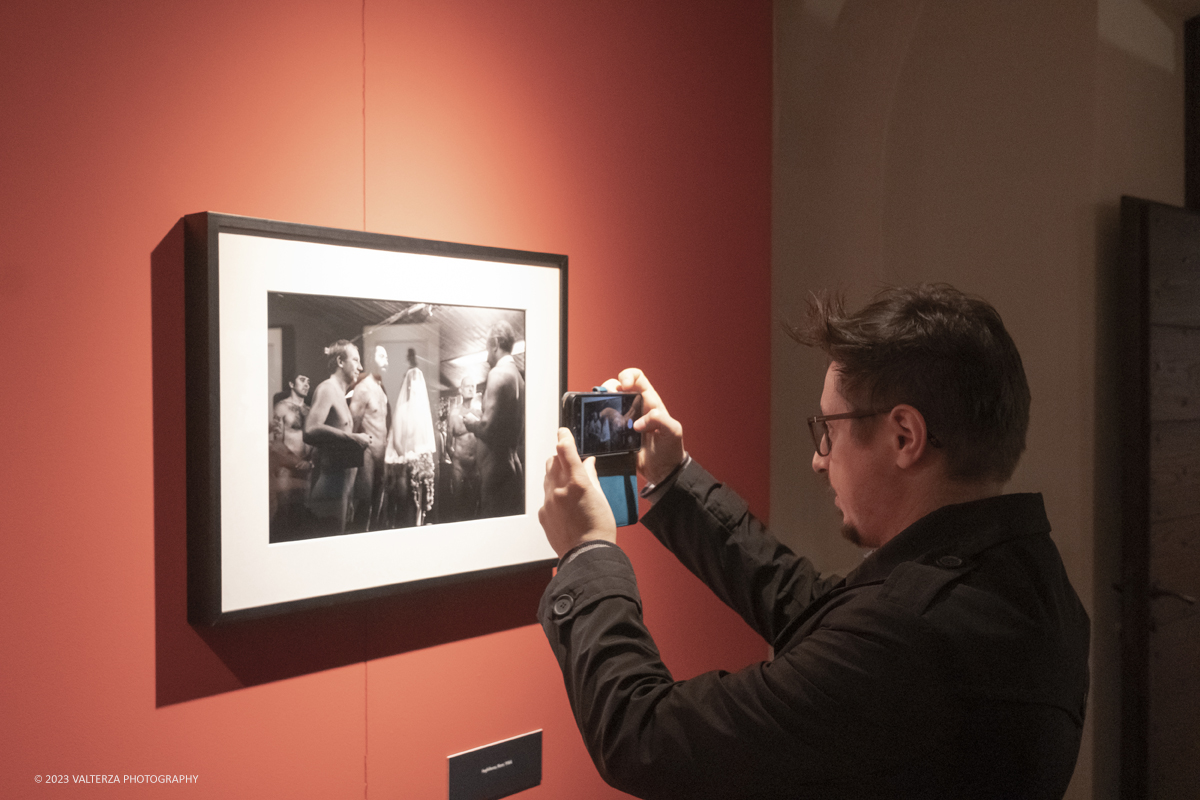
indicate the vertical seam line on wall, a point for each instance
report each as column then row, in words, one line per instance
column 366, row 657
column 366, row 727
column 887, row 125
column 365, row 629
column 364, row 110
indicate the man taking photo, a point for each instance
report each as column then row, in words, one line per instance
column 951, row 663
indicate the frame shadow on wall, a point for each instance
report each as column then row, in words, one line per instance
column 194, row 662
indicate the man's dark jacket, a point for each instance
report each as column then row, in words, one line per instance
column 952, row 663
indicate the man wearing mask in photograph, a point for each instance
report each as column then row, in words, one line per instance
column 951, row 663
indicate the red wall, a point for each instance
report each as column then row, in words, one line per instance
column 632, row 136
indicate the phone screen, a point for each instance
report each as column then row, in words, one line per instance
column 603, row 423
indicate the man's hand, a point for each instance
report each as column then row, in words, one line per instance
column 662, row 435
column 575, row 510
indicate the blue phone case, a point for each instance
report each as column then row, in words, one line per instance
column 622, row 495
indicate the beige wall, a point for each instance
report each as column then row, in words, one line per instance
column 987, row 145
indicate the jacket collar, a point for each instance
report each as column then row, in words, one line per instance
column 954, row 535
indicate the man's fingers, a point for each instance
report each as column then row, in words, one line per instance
column 558, row 466
column 566, row 449
column 634, row 380
column 657, row 420
column 589, row 466
column 565, row 466
column 582, row 471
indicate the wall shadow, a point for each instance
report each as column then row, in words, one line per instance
column 194, row 662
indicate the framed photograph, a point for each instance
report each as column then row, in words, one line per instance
column 362, row 412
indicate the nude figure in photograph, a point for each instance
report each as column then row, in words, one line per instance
column 464, row 475
column 330, row 429
column 369, row 411
column 290, row 458
column 500, row 429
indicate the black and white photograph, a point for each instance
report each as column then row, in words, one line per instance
column 392, row 414
column 382, row 436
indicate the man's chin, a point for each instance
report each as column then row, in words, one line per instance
column 851, row 534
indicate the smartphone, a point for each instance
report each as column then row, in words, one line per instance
column 602, row 422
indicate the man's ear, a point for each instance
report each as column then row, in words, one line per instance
column 906, row 426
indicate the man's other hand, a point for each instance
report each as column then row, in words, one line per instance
column 575, row 510
column 662, row 435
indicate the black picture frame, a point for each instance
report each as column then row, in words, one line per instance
column 239, row 273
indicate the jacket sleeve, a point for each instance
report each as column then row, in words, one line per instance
column 854, row 698
column 710, row 529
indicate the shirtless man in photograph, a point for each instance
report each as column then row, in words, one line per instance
column 464, row 479
column 369, row 410
column 330, row 429
column 500, row 429
column 290, row 457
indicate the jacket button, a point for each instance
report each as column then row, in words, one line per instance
column 562, row 604
column 949, row 561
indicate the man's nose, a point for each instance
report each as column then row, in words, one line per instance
column 819, row 462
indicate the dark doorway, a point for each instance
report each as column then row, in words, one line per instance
column 1160, row 505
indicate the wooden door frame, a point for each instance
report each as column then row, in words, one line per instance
column 1133, row 396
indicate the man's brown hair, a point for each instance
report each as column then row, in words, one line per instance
column 941, row 351
column 338, row 352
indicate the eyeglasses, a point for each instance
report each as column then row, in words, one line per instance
column 820, row 431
